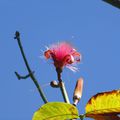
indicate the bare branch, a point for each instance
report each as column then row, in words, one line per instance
column 17, row 36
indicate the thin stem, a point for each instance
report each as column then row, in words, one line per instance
column 17, row 36
column 23, row 77
column 62, row 86
column 64, row 92
column 82, row 116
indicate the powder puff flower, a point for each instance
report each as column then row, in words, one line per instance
column 63, row 54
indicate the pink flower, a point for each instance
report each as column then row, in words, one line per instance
column 63, row 54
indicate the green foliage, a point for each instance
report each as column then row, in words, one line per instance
column 56, row 111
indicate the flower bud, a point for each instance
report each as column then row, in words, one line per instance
column 54, row 84
column 78, row 91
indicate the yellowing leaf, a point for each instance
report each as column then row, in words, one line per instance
column 104, row 106
column 56, row 111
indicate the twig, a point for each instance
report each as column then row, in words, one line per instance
column 31, row 75
column 23, row 77
column 62, row 86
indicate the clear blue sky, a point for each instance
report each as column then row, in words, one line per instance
column 93, row 27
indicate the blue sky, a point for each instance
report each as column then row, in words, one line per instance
column 93, row 27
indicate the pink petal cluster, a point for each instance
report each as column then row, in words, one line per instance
column 62, row 54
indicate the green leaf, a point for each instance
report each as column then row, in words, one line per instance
column 104, row 106
column 56, row 111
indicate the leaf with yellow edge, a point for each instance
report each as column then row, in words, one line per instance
column 104, row 106
column 56, row 111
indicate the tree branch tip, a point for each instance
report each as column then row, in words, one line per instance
column 17, row 75
column 17, row 35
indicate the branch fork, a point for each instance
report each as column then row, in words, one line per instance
column 30, row 72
